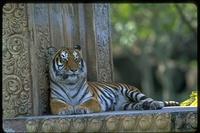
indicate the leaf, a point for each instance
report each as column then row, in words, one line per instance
column 192, row 101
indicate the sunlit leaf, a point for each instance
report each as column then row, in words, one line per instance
column 192, row 101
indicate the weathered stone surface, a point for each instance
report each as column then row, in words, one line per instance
column 29, row 29
column 17, row 89
column 165, row 120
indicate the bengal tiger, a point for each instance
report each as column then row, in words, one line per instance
column 71, row 93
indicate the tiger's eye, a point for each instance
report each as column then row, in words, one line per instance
column 64, row 55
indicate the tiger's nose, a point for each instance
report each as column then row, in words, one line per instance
column 73, row 69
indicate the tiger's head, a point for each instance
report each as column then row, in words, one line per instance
column 67, row 65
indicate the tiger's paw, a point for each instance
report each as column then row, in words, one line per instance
column 142, row 105
column 156, row 105
column 81, row 110
column 145, row 105
column 66, row 111
column 138, row 106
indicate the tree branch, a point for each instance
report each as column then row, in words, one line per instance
column 185, row 20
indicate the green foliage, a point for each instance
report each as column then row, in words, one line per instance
column 158, row 32
column 156, row 24
column 192, row 101
column 156, row 29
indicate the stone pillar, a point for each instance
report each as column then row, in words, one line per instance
column 28, row 29
column 17, row 84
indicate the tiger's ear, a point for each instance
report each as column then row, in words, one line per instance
column 51, row 50
column 78, row 47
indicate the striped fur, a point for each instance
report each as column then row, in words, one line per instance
column 71, row 93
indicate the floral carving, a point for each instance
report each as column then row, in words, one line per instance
column 180, row 121
column 112, row 123
column 8, row 63
column 184, row 121
column 42, row 42
column 9, row 8
column 12, row 84
column 192, row 120
column 103, row 42
column 16, row 67
column 63, row 125
column 162, row 121
column 15, row 44
column 145, row 122
column 32, row 126
column 41, row 18
column 79, row 124
column 95, row 125
column 48, row 125
column 129, row 122
column 122, row 122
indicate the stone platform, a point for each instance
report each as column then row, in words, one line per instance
column 169, row 119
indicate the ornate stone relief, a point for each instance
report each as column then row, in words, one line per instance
column 103, row 42
column 17, row 96
column 162, row 121
column 42, row 42
column 28, row 30
column 126, row 123
column 95, row 124
column 183, row 121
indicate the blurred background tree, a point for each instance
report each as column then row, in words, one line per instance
column 155, row 48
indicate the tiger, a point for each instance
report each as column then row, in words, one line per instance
column 71, row 93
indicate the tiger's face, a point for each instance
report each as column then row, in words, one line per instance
column 68, row 66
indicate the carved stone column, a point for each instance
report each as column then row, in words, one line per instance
column 17, row 85
column 98, row 40
column 28, row 29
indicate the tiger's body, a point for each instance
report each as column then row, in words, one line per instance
column 71, row 93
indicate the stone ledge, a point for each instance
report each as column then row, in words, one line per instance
column 165, row 120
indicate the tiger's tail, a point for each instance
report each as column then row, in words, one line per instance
column 171, row 103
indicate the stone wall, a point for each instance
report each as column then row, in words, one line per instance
column 28, row 29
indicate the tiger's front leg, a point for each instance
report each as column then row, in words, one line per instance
column 90, row 106
column 59, row 107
